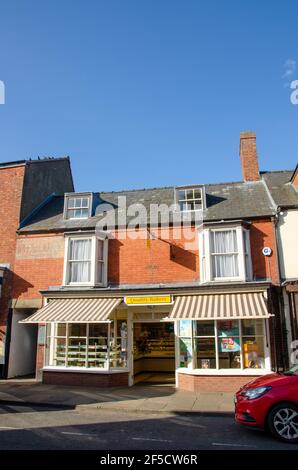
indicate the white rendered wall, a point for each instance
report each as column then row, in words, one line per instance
column 22, row 355
column 287, row 234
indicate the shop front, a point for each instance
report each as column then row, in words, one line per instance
column 208, row 342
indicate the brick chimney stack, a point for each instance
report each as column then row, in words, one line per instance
column 249, row 157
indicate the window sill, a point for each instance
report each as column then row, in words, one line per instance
column 79, row 285
column 224, row 372
column 84, row 370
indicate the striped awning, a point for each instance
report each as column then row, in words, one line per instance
column 75, row 311
column 219, row 306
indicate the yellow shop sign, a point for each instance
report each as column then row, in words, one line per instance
column 149, row 300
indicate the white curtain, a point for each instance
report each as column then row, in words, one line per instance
column 80, row 261
column 224, row 253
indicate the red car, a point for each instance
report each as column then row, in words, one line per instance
column 271, row 403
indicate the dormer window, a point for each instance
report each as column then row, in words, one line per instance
column 190, row 198
column 77, row 206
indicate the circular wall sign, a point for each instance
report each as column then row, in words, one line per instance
column 266, row 251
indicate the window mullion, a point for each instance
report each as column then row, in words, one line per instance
column 240, row 344
column 66, row 345
column 216, row 345
column 241, row 253
column 87, row 346
column 208, row 256
column 108, row 347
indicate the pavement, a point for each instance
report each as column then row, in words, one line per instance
column 138, row 399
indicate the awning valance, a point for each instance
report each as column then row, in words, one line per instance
column 75, row 311
column 219, row 306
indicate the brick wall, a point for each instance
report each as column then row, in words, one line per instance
column 11, row 186
column 213, row 383
column 38, row 265
column 262, row 234
column 161, row 260
column 39, row 260
column 86, row 380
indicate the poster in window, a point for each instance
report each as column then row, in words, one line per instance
column 229, row 345
column 185, row 328
column 205, row 363
column 252, row 357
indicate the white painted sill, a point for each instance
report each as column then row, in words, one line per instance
column 84, row 370
column 224, row 372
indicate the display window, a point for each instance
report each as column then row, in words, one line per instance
column 222, row 344
column 87, row 345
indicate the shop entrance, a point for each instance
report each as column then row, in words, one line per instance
column 154, row 353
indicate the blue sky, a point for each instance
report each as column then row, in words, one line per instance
column 144, row 93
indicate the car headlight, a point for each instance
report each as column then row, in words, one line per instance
column 256, row 392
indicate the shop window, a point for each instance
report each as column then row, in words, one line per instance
column 84, row 345
column 204, row 344
column 185, row 343
column 253, row 344
column 118, row 345
column 228, row 344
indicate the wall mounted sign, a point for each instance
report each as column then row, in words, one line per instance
column 149, row 300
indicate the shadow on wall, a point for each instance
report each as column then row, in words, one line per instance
column 20, row 285
column 114, row 261
column 185, row 258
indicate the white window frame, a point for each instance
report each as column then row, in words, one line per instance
column 206, row 273
column 190, row 188
column 68, row 196
column 94, row 281
column 221, row 371
column 49, row 357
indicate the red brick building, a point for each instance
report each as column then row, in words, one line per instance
column 24, row 187
column 131, row 296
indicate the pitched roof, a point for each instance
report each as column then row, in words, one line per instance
column 282, row 191
column 228, row 201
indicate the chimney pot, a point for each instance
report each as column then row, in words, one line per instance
column 249, row 157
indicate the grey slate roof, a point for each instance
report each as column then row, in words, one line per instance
column 280, row 187
column 225, row 201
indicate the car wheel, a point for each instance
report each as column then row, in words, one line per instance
column 283, row 422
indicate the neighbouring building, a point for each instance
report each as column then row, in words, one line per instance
column 131, row 301
column 283, row 187
column 25, row 186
